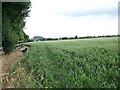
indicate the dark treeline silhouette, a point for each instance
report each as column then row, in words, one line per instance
column 76, row 37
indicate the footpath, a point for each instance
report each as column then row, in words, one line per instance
column 5, row 62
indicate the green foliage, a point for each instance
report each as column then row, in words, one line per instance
column 13, row 21
column 90, row 63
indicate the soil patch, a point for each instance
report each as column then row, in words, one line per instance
column 7, row 60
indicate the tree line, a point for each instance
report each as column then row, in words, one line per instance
column 13, row 22
column 40, row 38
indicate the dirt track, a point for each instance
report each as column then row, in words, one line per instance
column 6, row 61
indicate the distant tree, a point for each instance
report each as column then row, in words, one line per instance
column 49, row 39
column 76, row 37
column 64, row 38
column 30, row 40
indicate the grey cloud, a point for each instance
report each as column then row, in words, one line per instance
column 109, row 11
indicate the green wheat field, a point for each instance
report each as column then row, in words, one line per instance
column 78, row 63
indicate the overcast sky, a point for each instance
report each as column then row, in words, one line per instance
column 67, row 18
